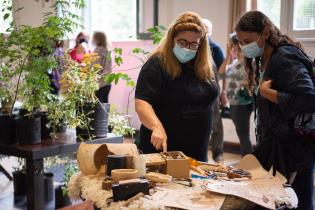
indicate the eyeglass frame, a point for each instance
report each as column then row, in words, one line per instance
column 188, row 44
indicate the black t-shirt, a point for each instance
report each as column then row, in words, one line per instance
column 183, row 105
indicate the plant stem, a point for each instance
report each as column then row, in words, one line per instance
column 18, row 84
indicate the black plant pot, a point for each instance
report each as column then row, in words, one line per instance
column 28, row 130
column 45, row 132
column 7, row 129
column 61, row 200
column 99, row 121
column 19, row 187
column 62, row 128
column 49, row 187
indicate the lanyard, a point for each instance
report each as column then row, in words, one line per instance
column 261, row 77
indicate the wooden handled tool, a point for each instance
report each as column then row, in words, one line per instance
column 165, row 146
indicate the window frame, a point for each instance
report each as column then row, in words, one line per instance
column 144, row 35
column 286, row 23
column 87, row 17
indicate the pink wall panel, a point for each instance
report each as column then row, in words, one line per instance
column 118, row 96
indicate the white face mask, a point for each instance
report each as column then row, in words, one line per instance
column 252, row 50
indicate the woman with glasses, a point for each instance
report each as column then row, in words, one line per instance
column 175, row 91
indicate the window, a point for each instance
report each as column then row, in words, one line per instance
column 117, row 18
column 5, row 24
column 304, row 15
column 294, row 17
column 272, row 9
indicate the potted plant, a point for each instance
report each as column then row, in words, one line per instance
column 6, row 104
column 61, row 192
column 82, row 110
column 119, row 124
column 28, row 54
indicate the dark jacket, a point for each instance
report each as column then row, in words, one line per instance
column 217, row 53
column 279, row 145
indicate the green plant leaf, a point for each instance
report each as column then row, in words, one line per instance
column 118, row 51
column 118, row 60
column 6, row 16
column 137, row 50
column 131, row 83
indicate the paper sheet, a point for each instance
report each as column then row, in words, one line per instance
column 262, row 189
column 190, row 199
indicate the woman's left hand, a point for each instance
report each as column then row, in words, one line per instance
column 267, row 92
column 265, row 86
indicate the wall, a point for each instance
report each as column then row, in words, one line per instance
column 32, row 12
column 119, row 94
column 215, row 10
column 309, row 47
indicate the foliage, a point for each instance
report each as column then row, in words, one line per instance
column 21, row 165
column 79, row 83
column 55, row 160
column 115, row 77
column 27, row 54
column 157, row 33
column 70, row 169
column 6, row 89
column 120, row 123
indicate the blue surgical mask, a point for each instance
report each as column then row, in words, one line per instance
column 252, row 50
column 183, row 54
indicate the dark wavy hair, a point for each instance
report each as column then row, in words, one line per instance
column 256, row 21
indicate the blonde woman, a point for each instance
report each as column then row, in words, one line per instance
column 175, row 91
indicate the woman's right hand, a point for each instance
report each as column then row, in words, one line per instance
column 158, row 137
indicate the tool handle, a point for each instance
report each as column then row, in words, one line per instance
column 164, row 146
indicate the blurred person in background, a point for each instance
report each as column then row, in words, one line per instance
column 99, row 41
column 81, row 47
column 216, row 139
column 241, row 103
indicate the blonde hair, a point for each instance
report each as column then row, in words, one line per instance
column 188, row 21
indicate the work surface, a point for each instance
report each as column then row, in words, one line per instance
column 34, row 154
column 64, row 143
column 261, row 189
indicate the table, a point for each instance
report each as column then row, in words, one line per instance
column 34, row 154
column 89, row 188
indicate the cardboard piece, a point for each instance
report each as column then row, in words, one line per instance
column 251, row 164
column 262, row 189
column 177, row 164
column 91, row 157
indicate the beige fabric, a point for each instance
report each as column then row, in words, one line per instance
column 237, row 9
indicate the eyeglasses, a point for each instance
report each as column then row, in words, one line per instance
column 190, row 45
